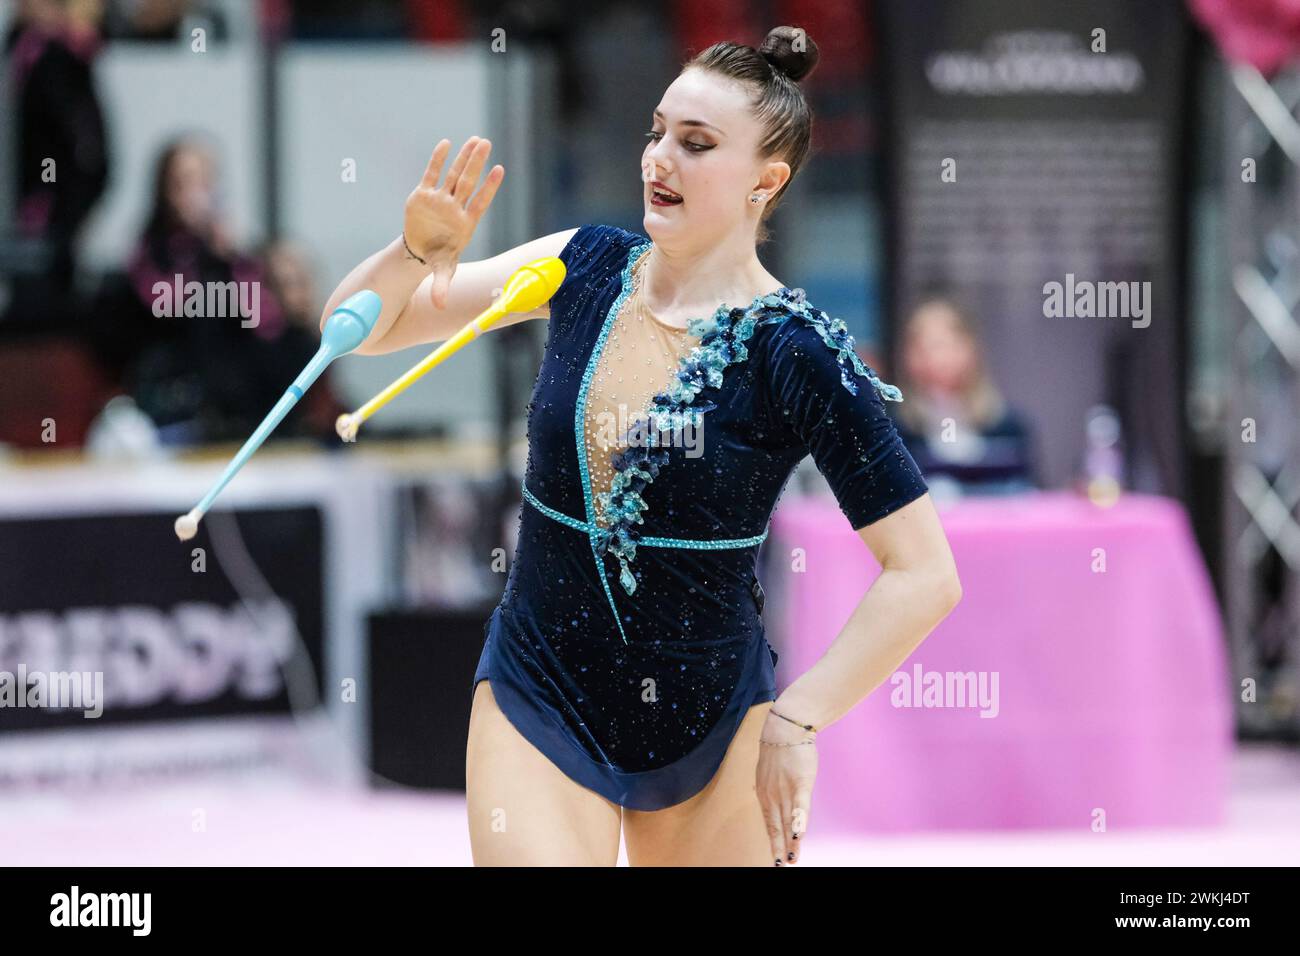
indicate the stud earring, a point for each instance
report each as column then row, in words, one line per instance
column 755, row 198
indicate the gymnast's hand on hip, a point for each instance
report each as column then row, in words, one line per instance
column 787, row 766
column 440, row 219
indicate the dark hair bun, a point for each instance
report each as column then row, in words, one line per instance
column 791, row 51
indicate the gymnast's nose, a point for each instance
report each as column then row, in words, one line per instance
column 654, row 166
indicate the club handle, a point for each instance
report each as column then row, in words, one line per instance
column 273, row 418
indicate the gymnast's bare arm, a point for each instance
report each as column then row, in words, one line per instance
column 472, row 290
column 430, row 301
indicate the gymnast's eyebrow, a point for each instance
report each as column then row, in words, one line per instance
column 659, row 114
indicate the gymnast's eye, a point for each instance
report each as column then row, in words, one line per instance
column 693, row 147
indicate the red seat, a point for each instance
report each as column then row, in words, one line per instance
column 51, row 378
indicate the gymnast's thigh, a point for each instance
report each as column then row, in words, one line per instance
column 523, row 810
column 722, row 825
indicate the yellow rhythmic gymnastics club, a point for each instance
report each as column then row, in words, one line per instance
column 529, row 287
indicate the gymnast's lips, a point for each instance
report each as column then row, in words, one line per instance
column 661, row 195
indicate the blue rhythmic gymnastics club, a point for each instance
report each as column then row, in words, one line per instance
column 347, row 327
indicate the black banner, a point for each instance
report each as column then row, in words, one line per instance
column 167, row 630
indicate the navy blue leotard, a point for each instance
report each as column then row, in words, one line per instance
column 628, row 652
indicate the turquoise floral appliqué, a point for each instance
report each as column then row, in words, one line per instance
column 722, row 343
column 836, row 336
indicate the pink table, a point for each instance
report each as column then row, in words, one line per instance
column 1112, row 688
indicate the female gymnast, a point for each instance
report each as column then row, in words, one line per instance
column 625, row 684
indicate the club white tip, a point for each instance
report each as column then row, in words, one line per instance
column 187, row 526
column 346, row 425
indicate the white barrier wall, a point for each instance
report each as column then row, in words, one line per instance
column 150, row 94
column 357, row 126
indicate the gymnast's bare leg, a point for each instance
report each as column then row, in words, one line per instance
column 722, row 825
column 523, row 810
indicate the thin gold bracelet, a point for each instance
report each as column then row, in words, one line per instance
column 808, row 727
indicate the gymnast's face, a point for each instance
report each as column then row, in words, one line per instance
column 703, row 146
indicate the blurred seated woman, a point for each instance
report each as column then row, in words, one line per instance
column 953, row 419
column 199, row 377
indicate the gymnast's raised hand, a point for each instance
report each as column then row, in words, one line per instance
column 413, row 273
column 440, row 219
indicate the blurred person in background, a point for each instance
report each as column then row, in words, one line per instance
column 200, row 378
column 955, row 422
column 62, row 155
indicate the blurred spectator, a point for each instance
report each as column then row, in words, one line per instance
column 953, row 419
column 207, row 377
column 62, row 156
column 199, row 377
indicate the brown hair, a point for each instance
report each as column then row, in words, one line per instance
column 786, row 56
column 162, row 214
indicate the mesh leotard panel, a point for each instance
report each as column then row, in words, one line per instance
column 640, row 359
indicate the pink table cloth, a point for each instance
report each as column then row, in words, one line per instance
column 1112, row 687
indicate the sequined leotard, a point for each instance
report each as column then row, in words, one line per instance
column 629, row 642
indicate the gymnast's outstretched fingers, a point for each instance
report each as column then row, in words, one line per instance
column 440, row 219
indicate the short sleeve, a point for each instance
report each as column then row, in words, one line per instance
column 593, row 254
column 851, row 437
column 578, row 251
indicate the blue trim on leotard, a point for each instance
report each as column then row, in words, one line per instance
column 580, row 420
column 705, row 544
